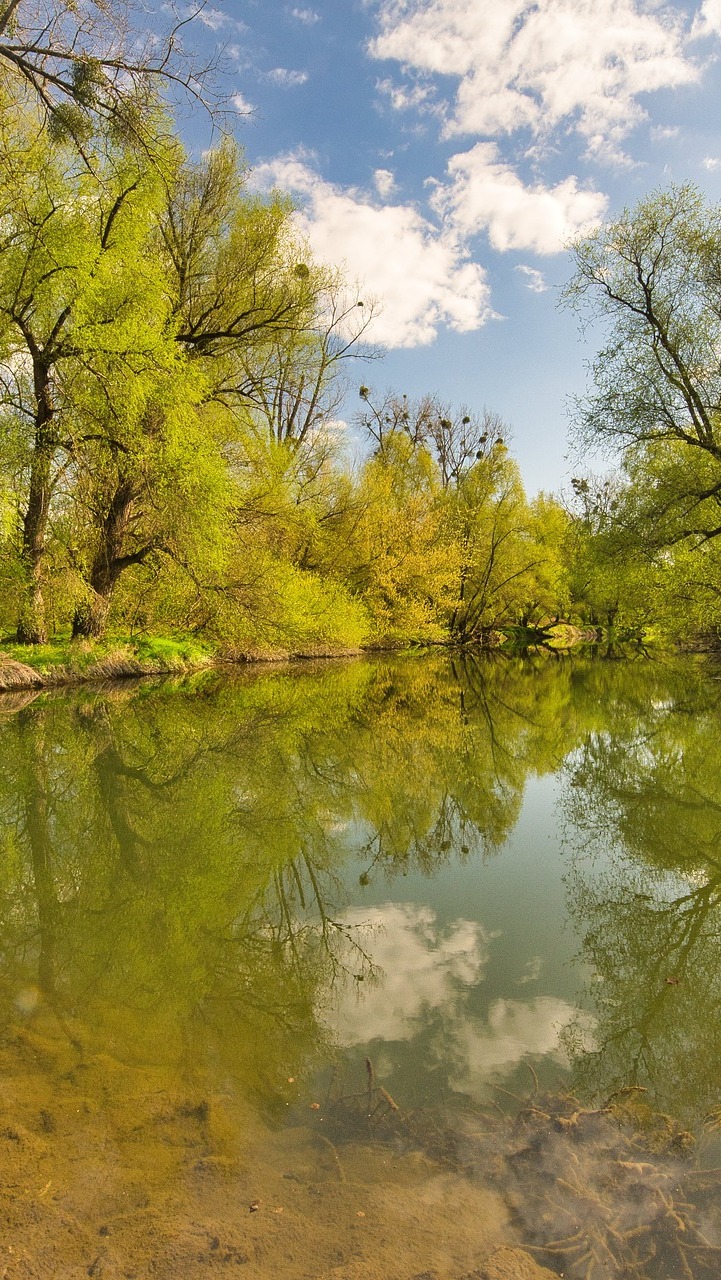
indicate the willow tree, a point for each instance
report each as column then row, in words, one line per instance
column 269, row 331
column 222, row 283
column 497, row 557
column 652, row 278
column 80, row 319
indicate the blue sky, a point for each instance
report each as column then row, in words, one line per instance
column 446, row 150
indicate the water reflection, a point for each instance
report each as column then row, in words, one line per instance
column 645, row 804
column 211, row 890
column 173, row 870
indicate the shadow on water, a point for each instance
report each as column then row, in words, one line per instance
column 206, row 928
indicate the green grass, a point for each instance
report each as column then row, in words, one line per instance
column 78, row 657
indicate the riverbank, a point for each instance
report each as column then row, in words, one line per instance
column 65, row 662
column 69, row 662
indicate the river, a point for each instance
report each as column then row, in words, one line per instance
column 364, row 969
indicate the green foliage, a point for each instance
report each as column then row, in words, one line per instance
column 170, row 361
column 643, row 798
column 652, row 277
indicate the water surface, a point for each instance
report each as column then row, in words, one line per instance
column 276, row 949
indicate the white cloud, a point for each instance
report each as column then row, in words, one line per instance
column 408, row 97
column 384, row 182
column 711, row 163
column 241, row 104
column 586, row 62
column 420, row 967
column 287, row 79
column 307, row 16
column 212, row 18
column 339, row 428
column 707, row 21
column 485, row 194
column 420, row 274
column 535, row 281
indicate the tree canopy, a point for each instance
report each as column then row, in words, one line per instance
column 175, row 445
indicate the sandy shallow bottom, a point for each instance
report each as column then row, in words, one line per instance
column 120, row 1168
column 106, row 1171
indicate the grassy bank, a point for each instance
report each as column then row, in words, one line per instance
column 62, row 661
column 65, row 661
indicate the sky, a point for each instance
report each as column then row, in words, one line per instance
column 446, row 152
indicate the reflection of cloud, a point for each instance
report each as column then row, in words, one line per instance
column 513, row 1029
column 531, row 972
column 422, row 966
column 424, row 973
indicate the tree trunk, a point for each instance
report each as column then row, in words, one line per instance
column 91, row 614
column 32, row 625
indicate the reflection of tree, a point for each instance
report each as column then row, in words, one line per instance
column 649, row 797
column 36, row 806
column 172, row 856
column 444, row 762
column 137, row 893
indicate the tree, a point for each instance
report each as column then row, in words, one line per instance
column 159, row 493
column 614, row 578
column 489, row 521
column 474, row 556
column 652, row 276
column 456, row 438
column 236, row 276
column 96, row 63
column 81, row 319
column 294, row 384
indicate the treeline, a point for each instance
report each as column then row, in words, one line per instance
column 171, row 367
column 172, row 364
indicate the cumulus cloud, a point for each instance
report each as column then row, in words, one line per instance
column 420, row 967
column 583, row 62
column 241, row 104
column 408, row 97
column 535, row 280
column 384, row 182
column 420, row 273
column 307, row 16
column 707, row 21
column 711, row 163
column 484, row 193
column 212, row 18
column 285, row 78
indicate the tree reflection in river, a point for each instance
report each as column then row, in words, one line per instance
column 644, row 800
column 172, row 873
